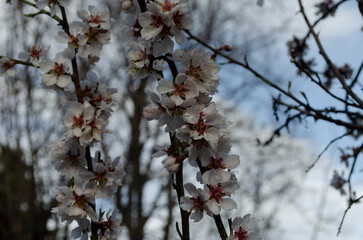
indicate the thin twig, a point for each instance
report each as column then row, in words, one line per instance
column 42, row 11
column 356, row 154
column 317, row 115
column 327, row 59
column 326, row 148
column 16, row 61
column 333, row 8
column 351, row 202
column 355, row 80
column 277, row 130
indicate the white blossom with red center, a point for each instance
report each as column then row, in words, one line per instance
column 195, row 203
column 244, row 229
column 77, row 203
column 105, row 178
column 179, row 91
column 57, row 72
column 69, row 158
column 218, row 196
column 110, row 227
column 77, row 118
column 76, row 40
column 96, row 17
column 198, row 66
column 204, row 123
column 36, row 53
column 7, row 66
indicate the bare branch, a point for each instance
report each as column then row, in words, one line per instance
column 327, row 59
column 326, row 148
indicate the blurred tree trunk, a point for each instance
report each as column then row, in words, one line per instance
column 21, row 214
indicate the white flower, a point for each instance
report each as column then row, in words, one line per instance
column 153, row 22
column 56, row 72
column 198, row 66
column 138, row 61
column 7, row 66
column 110, row 229
column 105, row 178
column 131, row 31
column 69, row 158
column 76, row 40
column 244, row 229
column 204, row 123
column 63, row 193
column 97, row 33
column 97, row 93
column 77, row 117
column 196, row 203
column 217, row 199
column 36, row 53
column 182, row 89
column 96, row 17
column 77, row 204
column 173, row 117
column 163, row 46
column 167, row 112
column 172, row 161
column 217, row 162
column 84, row 226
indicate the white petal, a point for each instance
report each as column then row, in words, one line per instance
column 228, row 204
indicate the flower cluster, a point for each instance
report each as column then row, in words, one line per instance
column 88, row 105
column 184, row 106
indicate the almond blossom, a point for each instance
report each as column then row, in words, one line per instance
column 77, row 203
column 198, row 66
column 68, row 158
column 179, row 91
column 7, row 66
column 76, row 40
column 196, row 203
column 37, row 54
column 77, row 118
column 217, row 196
column 203, row 123
column 244, row 229
column 110, row 227
column 95, row 17
column 57, row 72
column 105, row 178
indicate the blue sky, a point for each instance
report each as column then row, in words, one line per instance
column 342, row 39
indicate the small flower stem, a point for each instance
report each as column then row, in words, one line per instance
column 16, row 61
column 42, row 11
column 179, row 188
column 180, row 192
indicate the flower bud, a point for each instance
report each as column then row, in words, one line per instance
column 148, row 112
column 127, row 5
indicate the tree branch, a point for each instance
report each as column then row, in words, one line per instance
column 327, row 59
column 326, row 148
